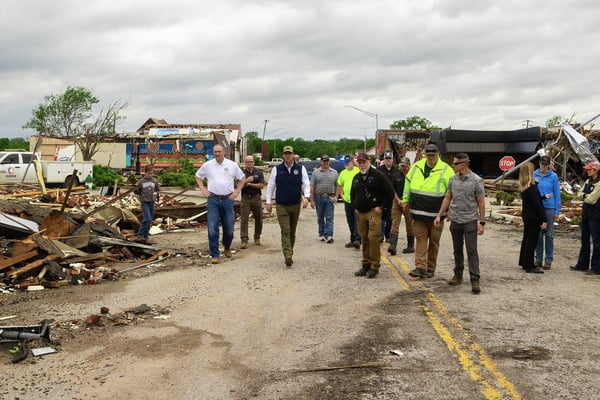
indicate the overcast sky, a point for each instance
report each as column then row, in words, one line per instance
column 468, row 64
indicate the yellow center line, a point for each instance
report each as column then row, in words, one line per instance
column 465, row 361
column 464, row 358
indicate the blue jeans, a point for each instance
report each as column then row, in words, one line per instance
column 325, row 209
column 220, row 211
column 589, row 229
column 549, row 235
column 352, row 220
column 148, row 213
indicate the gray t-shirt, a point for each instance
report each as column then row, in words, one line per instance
column 465, row 190
column 324, row 182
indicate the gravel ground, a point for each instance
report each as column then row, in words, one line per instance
column 251, row 328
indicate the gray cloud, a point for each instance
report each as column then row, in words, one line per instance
column 464, row 63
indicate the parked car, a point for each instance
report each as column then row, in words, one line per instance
column 275, row 161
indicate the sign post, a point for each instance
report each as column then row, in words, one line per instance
column 506, row 163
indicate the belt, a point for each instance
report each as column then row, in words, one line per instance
column 324, row 194
column 219, row 196
column 250, row 196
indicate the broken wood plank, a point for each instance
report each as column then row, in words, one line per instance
column 9, row 262
column 73, row 178
column 148, row 261
column 37, row 193
column 32, row 267
column 108, row 203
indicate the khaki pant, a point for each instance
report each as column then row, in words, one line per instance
column 369, row 229
column 397, row 213
column 428, row 243
column 253, row 204
column 288, row 216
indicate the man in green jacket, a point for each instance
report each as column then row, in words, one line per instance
column 424, row 190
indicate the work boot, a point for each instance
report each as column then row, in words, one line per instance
column 363, row 270
column 214, row 260
column 430, row 274
column 537, row 264
column 547, row 266
column 372, row 273
column 244, row 245
column 393, row 243
column 356, row 245
column 455, row 281
column 257, row 242
column 228, row 253
column 418, row 273
column 349, row 245
column 475, row 288
column 288, row 261
column 410, row 247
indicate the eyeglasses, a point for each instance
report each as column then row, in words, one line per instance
column 460, row 162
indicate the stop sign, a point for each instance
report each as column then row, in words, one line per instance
column 506, row 163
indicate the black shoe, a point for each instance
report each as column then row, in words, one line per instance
column 574, row 268
column 288, row 261
column 592, row 272
column 408, row 250
column 363, row 270
column 349, row 245
column 475, row 288
column 418, row 273
column 536, row 270
column 372, row 273
column 430, row 274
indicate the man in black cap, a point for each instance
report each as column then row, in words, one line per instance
column 370, row 191
column 390, row 171
column 424, row 190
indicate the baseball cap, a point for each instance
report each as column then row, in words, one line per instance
column 431, row 148
column 288, row 148
column 362, row 156
column 404, row 161
column 388, row 154
column 593, row 165
column 544, row 160
column 348, row 159
column 324, row 157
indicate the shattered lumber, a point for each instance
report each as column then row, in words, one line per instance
column 33, row 266
column 9, row 262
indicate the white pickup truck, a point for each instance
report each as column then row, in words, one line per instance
column 14, row 165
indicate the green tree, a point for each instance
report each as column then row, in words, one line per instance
column 558, row 120
column 414, row 122
column 254, row 142
column 15, row 143
column 70, row 115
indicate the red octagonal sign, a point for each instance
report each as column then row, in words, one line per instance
column 506, row 163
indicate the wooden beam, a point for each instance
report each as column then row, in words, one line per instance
column 9, row 262
column 30, row 268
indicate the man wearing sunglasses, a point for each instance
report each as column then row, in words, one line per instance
column 424, row 190
column 466, row 200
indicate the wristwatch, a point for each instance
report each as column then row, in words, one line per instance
column 482, row 223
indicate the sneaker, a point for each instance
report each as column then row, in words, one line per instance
column 363, row 270
column 372, row 273
column 547, row 266
column 228, row 253
column 349, row 245
column 592, row 272
column 356, row 245
column 418, row 273
column 257, row 242
column 244, row 245
column 475, row 288
column 455, row 281
column 322, row 238
column 329, row 239
column 430, row 274
column 288, row 261
column 214, row 260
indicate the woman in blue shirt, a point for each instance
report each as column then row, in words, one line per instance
column 549, row 188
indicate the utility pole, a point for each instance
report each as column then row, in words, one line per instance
column 527, row 121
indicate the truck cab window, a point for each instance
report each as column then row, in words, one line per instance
column 26, row 158
column 11, row 159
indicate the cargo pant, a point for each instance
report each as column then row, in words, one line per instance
column 251, row 203
column 427, row 247
column 288, row 216
column 369, row 229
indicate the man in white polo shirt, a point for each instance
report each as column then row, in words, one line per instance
column 220, row 174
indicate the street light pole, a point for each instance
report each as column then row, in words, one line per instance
column 372, row 115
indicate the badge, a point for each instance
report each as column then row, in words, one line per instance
column 295, row 172
column 226, row 169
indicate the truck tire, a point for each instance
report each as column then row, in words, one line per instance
column 68, row 179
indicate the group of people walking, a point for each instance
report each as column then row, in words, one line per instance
column 375, row 200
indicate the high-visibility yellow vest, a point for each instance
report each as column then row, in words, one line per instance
column 426, row 194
